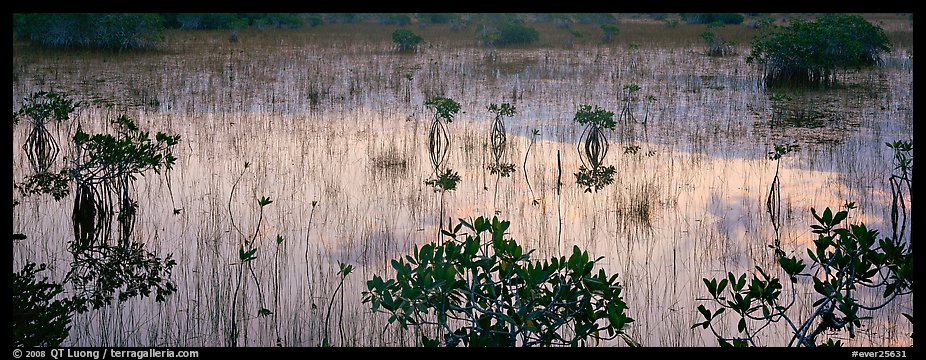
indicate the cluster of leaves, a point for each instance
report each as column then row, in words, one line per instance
column 106, row 157
column 107, row 31
column 845, row 261
column 609, row 31
column 43, row 106
column 56, row 184
column 782, row 150
column 101, row 273
column 502, row 169
column 903, row 155
column 511, row 33
column 446, row 108
column 406, row 40
column 438, row 18
column 446, row 181
column 595, row 116
column 595, row 178
column 40, row 316
column 394, row 19
column 812, row 51
column 40, row 147
column 505, row 109
column 196, row 21
column 707, row 18
column 485, row 290
column 343, row 271
column 777, row 98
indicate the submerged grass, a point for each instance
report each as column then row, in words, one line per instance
column 337, row 134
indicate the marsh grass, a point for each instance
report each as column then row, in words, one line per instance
column 337, row 135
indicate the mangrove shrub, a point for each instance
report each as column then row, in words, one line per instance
column 479, row 288
column 813, row 51
column 98, row 31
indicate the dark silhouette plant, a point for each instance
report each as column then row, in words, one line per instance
column 480, row 288
column 608, row 32
column 41, row 317
column 509, row 32
column 846, row 259
column 593, row 147
column 91, row 30
column 900, row 180
column 247, row 253
column 439, row 142
column 534, row 134
column 343, row 271
column 104, row 171
column 41, row 148
column 773, row 201
column 843, row 262
column 406, row 40
column 813, row 52
column 498, row 139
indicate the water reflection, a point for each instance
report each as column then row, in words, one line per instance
column 696, row 208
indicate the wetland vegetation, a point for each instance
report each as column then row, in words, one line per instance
column 351, row 179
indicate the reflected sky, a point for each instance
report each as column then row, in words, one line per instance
column 315, row 122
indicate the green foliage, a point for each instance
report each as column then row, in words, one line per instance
column 437, row 18
column 246, row 255
column 96, row 31
column 609, row 31
column 593, row 146
column 102, row 273
column 501, row 169
column 707, row 18
column 812, row 51
column 56, row 184
column 395, row 19
column 595, row 178
column 498, row 139
column 314, row 20
column 482, row 289
column 511, row 33
column 780, row 97
column 208, row 21
column 782, row 150
column 264, row 201
column 844, row 260
column 716, row 46
column 595, row 116
column 39, row 319
column 505, row 109
column 343, row 18
column 445, row 108
column 43, row 106
column 282, row 20
column 41, row 147
column 343, row 271
column 446, row 181
column 106, row 157
column 406, row 40
column 903, row 155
